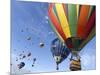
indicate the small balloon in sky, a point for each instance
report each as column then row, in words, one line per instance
column 29, row 54
column 34, row 59
column 24, row 56
column 29, row 38
column 41, row 44
column 21, row 65
column 32, row 65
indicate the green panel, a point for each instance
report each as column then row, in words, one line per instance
column 76, row 43
column 91, row 35
column 72, row 18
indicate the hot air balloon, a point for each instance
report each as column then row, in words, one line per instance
column 23, row 57
column 59, row 51
column 29, row 54
column 34, row 60
column 73, row 24
column 21, row 65
column 41, row 44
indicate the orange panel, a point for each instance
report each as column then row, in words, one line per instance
column 83, row 18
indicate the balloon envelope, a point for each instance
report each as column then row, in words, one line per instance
column 59, row 50
column 73, row 24
column 21, row 65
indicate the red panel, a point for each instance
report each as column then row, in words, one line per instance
column 69, row 46
column 90, row 24
column 82, row 20
column 69, row 43
column 55, row 22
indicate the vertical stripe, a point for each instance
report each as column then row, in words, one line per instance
column 82, row 20
column 63, row 20
column 77, row 8
column 72, row 17
column 90, row 36
column 90, row 24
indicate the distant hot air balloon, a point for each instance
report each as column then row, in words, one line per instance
column 34, row 60
column 21, row 65
column 41, row 44
column 59, row 51
column 73, row 24
column 29, row 38
column 23, row 57
column 29, row 54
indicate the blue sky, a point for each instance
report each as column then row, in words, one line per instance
column 30, row 19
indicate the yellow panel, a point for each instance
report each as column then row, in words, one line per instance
column 77, row 8
column 63, row 19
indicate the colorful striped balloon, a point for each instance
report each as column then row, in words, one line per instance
column 74, row 24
